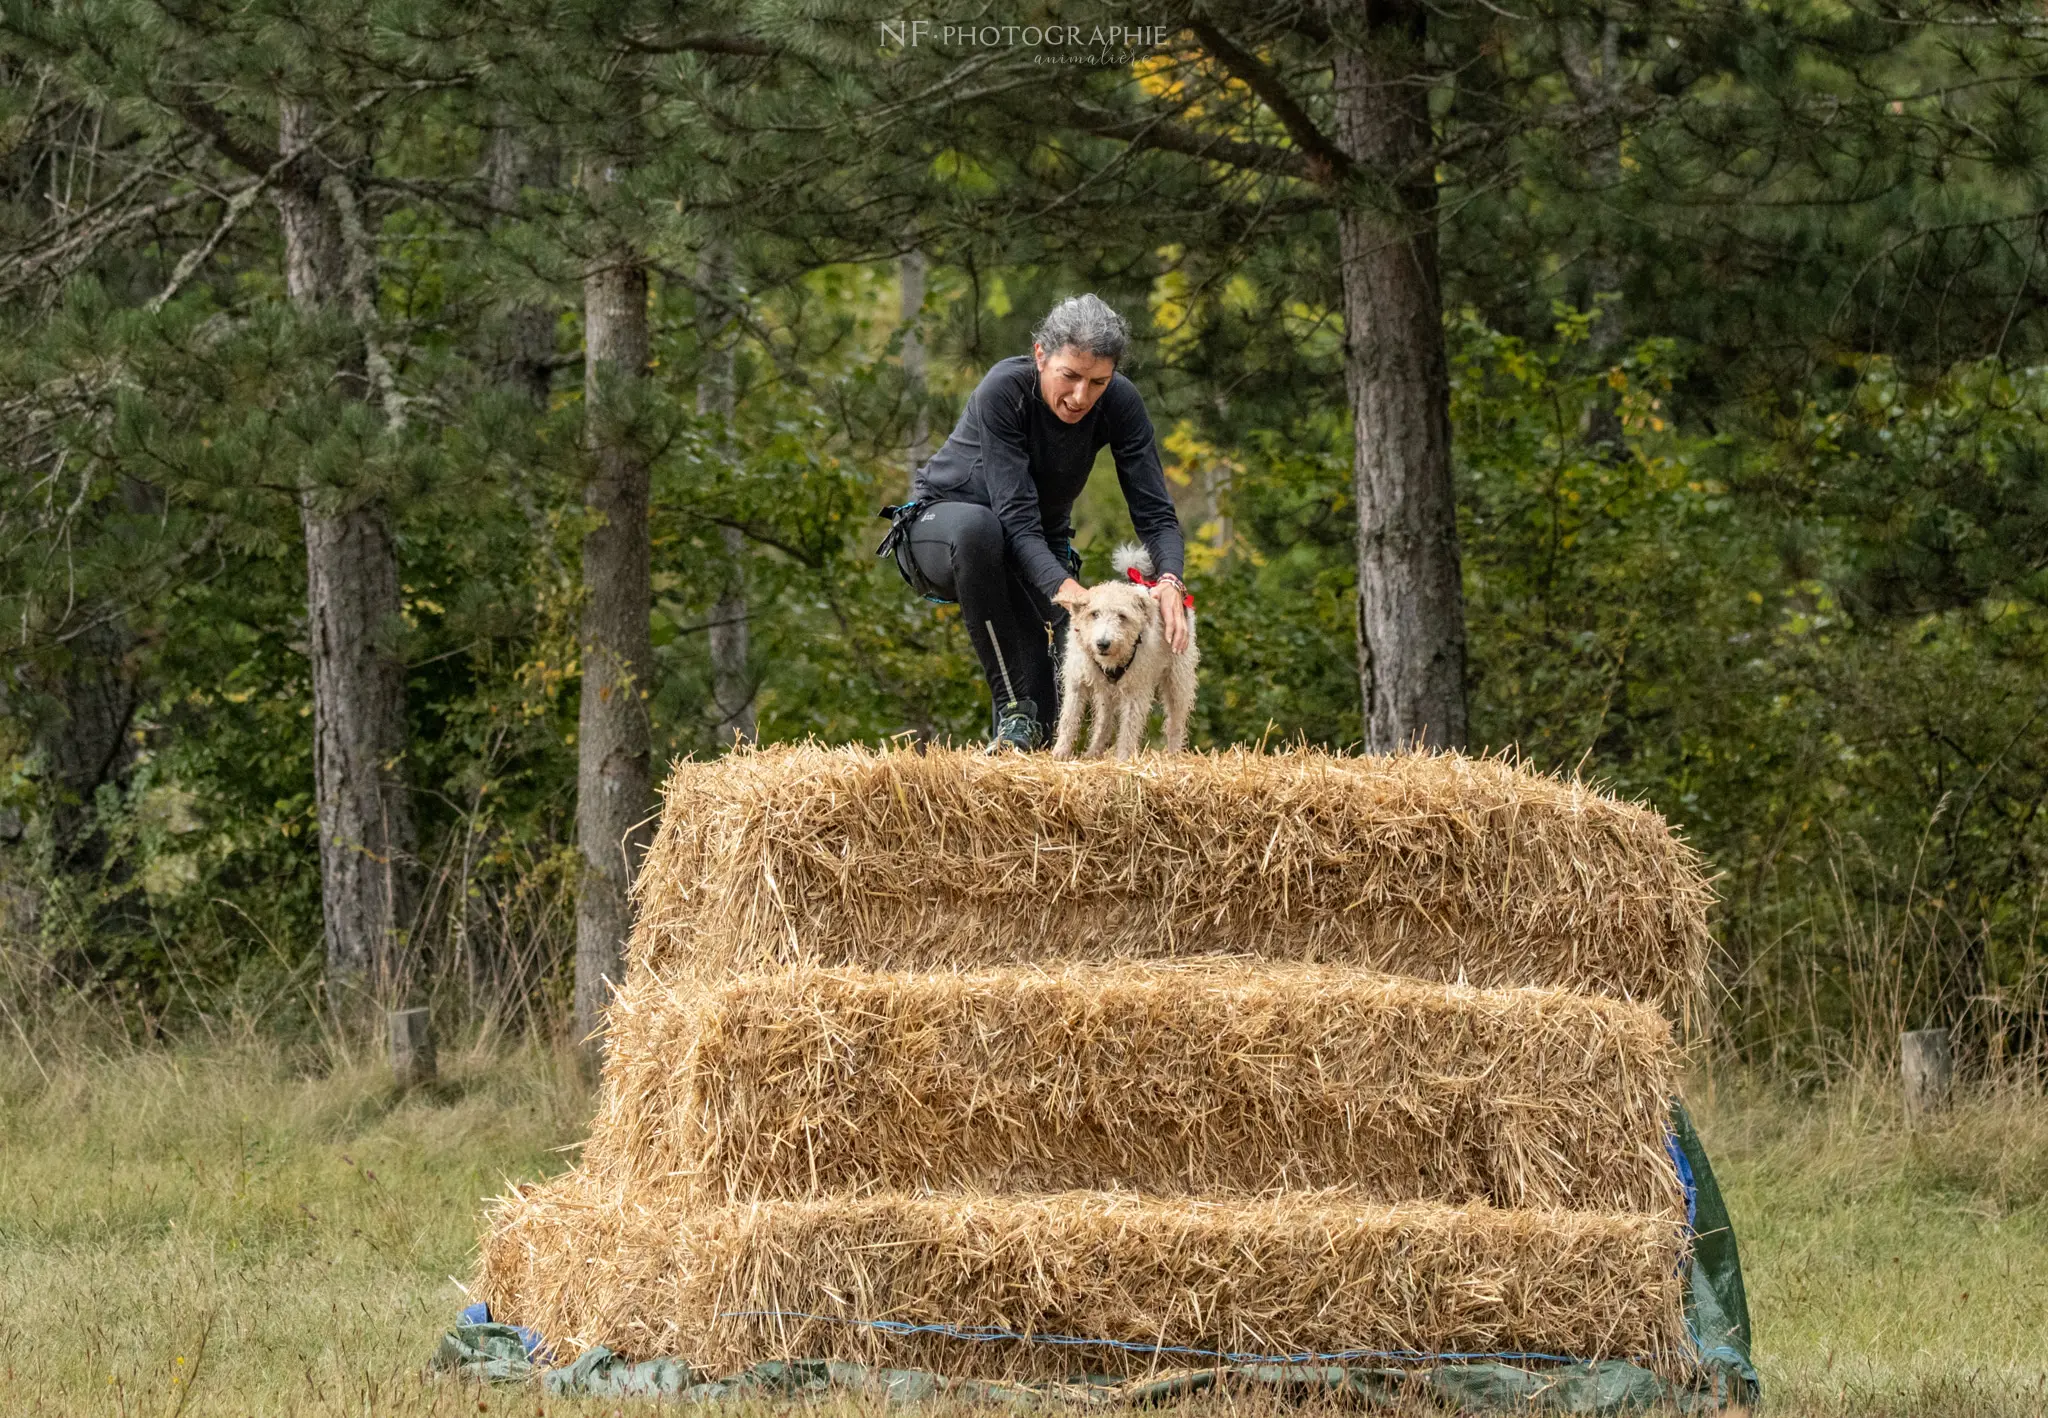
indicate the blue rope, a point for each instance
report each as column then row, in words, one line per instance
column 987, row 1334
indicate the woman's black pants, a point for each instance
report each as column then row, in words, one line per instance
column 960, row 550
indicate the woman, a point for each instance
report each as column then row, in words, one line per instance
column 990, row 520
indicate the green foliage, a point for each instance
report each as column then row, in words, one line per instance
column 1751, row 662
column 1601, row 558
column 1276, row 604
column 1814, row 642
column 1750, row 457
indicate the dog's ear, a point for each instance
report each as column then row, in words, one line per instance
column 1071, row 600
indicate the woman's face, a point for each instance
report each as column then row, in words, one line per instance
column 1070, row 382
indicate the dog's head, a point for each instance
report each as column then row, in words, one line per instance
column 1108, row 621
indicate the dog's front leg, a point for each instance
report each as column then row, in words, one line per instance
column 1070, row 710
column 1099, row 724
column 1130, row 726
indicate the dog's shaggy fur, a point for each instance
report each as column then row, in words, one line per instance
column 1118, row 662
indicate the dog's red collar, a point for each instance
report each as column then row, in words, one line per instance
column 1148, row 582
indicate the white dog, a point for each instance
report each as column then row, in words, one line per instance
column 1118, row 662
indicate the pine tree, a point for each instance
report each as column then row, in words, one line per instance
column 281, row 98
column 613, row 786
column 367, row 844
column 591, row 76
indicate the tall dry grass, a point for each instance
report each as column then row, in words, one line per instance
column 490, row 950
column 1824, row 967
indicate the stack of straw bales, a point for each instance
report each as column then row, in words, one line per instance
column 1234, row 1053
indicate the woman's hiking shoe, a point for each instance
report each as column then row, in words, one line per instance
column 1018, row 728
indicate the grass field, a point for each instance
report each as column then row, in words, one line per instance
column 216, row 1232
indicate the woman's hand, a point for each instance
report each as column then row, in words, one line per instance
column 1173, row 613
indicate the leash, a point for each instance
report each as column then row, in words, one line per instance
column 996, row 645
column 989, row 1334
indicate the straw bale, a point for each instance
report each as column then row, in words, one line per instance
column 1230, row 1079
column 639, row 1271
column 1433, row 865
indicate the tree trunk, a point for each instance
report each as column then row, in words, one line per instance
column 612, row 737
column 1593, row 73
column 86, row 743
column 732, row 683
column 367, row 868
column 1411, row 608
column 522, row 347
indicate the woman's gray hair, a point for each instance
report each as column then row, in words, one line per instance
column 1084, row 323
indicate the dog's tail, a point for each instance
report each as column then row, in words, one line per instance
column 1131, row 556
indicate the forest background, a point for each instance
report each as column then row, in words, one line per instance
column 417, row 414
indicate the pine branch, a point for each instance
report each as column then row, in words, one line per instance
column 744, row 45
column 75, row 243
column 113, row 612
column 1327, row 163
column 737, row 311
column 360, row 277
column 204, row 118
column 1563, row 119
column 1165, row 135
column 1594, row 91
column 243, row 199
column 803, row 556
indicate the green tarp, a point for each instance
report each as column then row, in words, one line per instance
column 1716, row 1309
